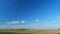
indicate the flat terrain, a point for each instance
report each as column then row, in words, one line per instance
column 29, row 31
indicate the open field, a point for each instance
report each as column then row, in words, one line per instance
column 29, row 31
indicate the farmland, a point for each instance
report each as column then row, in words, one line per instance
column 29, row 31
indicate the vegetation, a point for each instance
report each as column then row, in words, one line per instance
column 24, row 31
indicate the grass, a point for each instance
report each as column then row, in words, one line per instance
column 29, row 31
column 13, row 33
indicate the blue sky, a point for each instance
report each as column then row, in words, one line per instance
column 31, row 14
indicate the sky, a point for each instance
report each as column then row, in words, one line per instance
column 30, row 14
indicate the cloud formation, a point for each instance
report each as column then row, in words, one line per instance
column 1, row 27
column 13, row 22
column 17, row 22
column 58, row 16
column 23, row 21
column 37, row 20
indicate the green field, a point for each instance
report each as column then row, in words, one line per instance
column 29, row 31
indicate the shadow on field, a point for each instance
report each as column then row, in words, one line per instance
column 58, row 33
column 13, row 33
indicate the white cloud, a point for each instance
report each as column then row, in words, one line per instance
column 31, row 26
column 1, row 27
column 58, row 16
column 16, row 22
column 23, row 21
column 37, row 20
column 13, row 22
column 56, row 22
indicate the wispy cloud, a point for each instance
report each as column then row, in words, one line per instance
column 1, row 27
column 56, row 22
column 37, row 20
column 17, row 22
column 23, row 21
column 13, row 22
column 58, row 16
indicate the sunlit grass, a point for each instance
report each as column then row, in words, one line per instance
column 23, row 31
